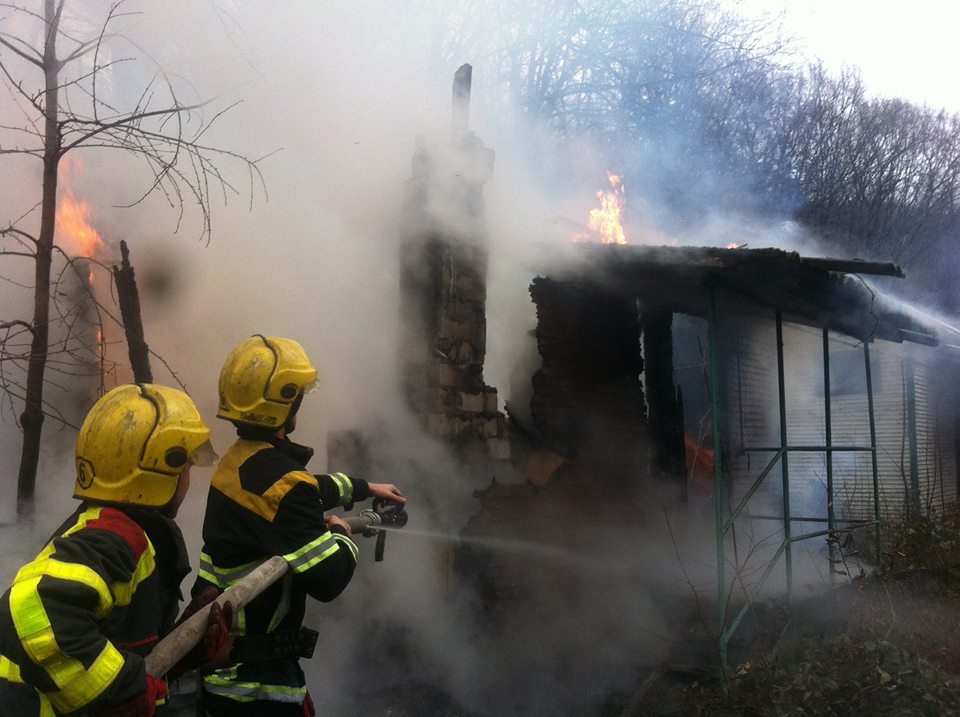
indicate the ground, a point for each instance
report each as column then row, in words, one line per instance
column 880, row 646
column 885, row 644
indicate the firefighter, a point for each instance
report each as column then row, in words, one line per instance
column 263, row 502
column 79, row 619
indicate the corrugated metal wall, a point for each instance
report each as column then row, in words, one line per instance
column 750, row 394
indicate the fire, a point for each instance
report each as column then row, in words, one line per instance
column 101, row 351
column 73, row 215
column 605, row 222
column 78, row 238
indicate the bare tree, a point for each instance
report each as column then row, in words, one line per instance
column 57, row 71
column 703, row 110
column 666, row 91
column 877, row 177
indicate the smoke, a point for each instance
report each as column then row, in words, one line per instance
column 333, row 95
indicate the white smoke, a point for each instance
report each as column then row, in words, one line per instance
column 335, row 93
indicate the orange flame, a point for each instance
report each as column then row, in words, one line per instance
column 73, row 215
column 606, row 222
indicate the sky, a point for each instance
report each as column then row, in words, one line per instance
column 903, row 49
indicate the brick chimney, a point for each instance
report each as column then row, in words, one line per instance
column 443, row 264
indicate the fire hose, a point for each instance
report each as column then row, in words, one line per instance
column 370, row 522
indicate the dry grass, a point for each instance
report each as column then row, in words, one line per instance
column 888, row 644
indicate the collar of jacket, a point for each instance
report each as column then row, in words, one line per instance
column 173, row 561
column 301, row 454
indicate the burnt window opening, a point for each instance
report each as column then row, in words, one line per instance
column 691, row 370
column 665, row 406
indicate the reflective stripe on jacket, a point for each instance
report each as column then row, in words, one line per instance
column 79, row 617
column 262, row 502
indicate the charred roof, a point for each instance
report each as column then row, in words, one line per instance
column 821, row 292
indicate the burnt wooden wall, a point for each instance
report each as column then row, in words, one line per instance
column 588, row 396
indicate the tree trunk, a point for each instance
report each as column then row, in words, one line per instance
column 32, row 418
column 129, row 299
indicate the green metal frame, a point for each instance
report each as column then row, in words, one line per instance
column 913, row 498
column 781, row 456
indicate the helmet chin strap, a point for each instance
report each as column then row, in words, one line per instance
column 291, row 423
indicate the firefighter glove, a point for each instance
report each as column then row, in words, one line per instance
column 218, row 639
column 213, row 650
column 141, row 704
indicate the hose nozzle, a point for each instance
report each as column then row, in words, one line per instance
column 370, row 521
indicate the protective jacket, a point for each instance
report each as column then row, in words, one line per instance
column 263, row 502
column 79, row 619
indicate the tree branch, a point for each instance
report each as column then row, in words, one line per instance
column 38, row 61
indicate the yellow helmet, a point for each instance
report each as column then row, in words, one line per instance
column 262, row 379
column 135, row 442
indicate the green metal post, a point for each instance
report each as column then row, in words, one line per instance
column 828, row 435
column 784, row 461
column 913, row 500
column 717, row 473
column 873, row 444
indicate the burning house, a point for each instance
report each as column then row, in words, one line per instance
column 785, row 385
column 706, row 385
column 625, row 338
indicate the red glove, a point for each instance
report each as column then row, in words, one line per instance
column 140, row 705
column 218, row 640
column 214, row 650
